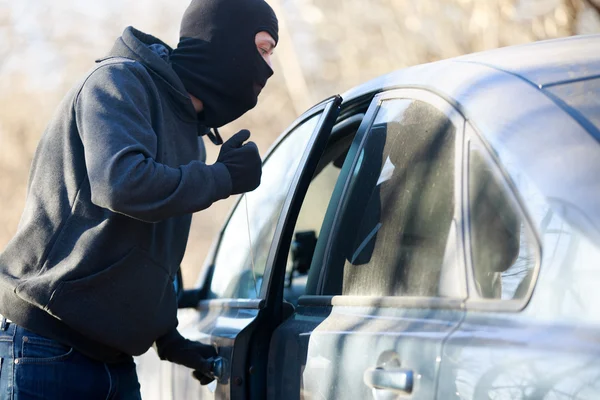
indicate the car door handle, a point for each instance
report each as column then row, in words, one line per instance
column 396, row 379
column 217, row 367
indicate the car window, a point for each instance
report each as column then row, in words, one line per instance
column 242, row 254
column 503, row 254
column 307, row 229
column 399, row 207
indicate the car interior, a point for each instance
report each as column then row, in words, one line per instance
column 315, row 204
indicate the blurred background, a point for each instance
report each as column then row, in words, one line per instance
column 326, row 47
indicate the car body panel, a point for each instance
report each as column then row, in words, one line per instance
column 547, row 62
column 540, row 63
column 326, row 349
column 352, row 340
column 512, row 357
column 582, row 97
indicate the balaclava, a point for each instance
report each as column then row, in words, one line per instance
column 216, row 58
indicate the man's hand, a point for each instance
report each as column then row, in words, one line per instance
column 242, row 161
column 203, row 378
column 175, row 348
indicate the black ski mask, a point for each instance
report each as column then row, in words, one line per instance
column 217, row 59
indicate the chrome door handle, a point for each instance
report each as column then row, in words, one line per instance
column 396, row 379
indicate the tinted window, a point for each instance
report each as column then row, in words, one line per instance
column 399, row 206
column 502, row 255
column 239, row 266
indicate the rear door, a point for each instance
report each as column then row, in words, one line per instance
column 243, row 301
column 387, row 281
column 531, row 326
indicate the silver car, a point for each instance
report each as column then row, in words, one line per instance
column 433, row 235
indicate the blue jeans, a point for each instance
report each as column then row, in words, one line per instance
column 34, row 367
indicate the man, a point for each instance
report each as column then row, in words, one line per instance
column 87, row 281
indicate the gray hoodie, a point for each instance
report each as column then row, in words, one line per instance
column 114, row 181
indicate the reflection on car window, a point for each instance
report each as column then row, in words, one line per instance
column 400, row 204
column 233, row 276
column 569, row 255
column 503, row 257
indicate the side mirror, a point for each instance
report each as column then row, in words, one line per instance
column 190, row 298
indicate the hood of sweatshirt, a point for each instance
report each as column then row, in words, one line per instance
column 153, row 53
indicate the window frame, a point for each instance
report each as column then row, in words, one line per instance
column 325, row 299
column 475, row 303
column 323, row 109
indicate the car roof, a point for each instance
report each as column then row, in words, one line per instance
column 547, row 62
column 541, row 63
column 540, row 99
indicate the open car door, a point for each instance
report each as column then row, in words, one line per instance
column 240, row 302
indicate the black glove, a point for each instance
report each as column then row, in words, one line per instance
column 242, row 161
column 204, row 379
column 175, row 348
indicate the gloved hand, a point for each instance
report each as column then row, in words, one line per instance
column 175, row 348
column 204, row 379
column 242, row 161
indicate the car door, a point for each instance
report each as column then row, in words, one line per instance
column 387, row 282
column 531, row 325
column 240, row 300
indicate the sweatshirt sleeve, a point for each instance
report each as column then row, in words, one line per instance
column 165, row 343
column 113, row 115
